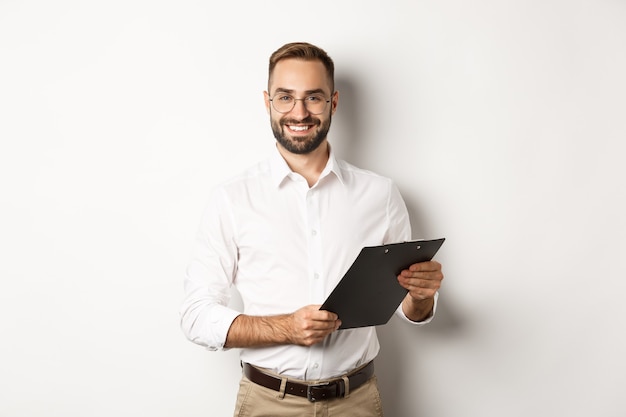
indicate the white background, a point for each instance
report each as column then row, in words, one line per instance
column 502, row 122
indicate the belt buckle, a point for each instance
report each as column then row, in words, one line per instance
column 325, row 387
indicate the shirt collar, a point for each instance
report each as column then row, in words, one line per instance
column 280, row 170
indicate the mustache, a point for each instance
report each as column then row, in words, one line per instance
column 306, row 120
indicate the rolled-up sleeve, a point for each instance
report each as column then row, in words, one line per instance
column 204, row 314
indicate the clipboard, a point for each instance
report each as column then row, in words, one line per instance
column 369, row 292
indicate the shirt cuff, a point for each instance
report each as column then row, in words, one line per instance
column 221, row 318
column 427, row 320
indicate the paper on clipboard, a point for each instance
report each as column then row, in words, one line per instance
column 369, row 292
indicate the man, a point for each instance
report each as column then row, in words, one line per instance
column 284, row 233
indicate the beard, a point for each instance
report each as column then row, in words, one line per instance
column 301, row 144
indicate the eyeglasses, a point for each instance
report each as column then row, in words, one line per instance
column 314, row 104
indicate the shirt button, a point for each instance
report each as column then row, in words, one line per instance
column 316, row 365
column 314, row 232
column 316, row 275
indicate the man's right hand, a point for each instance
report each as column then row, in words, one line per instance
column 311, row 325
column 306, row 326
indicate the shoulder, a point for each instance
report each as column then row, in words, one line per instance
column 370, row 185
column 253, row 174
column 238, row 187
column 354, row 174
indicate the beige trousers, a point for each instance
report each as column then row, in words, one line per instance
column 254, row 400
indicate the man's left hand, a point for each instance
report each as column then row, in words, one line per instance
column 423, row 280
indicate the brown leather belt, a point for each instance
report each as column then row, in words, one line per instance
column 335, row 388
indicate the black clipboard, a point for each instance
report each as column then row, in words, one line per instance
column 369, row 292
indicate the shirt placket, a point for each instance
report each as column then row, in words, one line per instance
column 315, row 272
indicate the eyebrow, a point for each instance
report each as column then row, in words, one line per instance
column 307, row 92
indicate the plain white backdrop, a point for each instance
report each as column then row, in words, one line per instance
column 502, row 122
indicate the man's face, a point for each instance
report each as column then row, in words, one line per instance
column 299, row 131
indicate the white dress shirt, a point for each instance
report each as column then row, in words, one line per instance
column 285, row 245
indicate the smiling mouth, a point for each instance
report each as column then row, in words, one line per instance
column 298, row 128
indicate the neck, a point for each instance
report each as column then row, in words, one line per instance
column 309, row 165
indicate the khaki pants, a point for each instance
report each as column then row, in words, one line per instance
column 253, row 400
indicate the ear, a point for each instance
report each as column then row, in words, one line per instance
column 334, row 100
column 266, row 98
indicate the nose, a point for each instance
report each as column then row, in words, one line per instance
column 299, row 109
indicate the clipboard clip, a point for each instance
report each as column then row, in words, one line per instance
column 418, row 247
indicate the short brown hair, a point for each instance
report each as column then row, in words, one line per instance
column 307, row 52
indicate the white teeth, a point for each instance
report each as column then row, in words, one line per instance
column 299, row 128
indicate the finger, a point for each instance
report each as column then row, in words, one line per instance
column 415, row 277
column 316, row 335
column 425, row 286
column 424, row 281
column 322, row 320
column 324, row 315
column 425, row 266
column 436, row 274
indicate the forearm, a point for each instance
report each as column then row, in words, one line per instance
column 258, row 331
column 417, row 310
